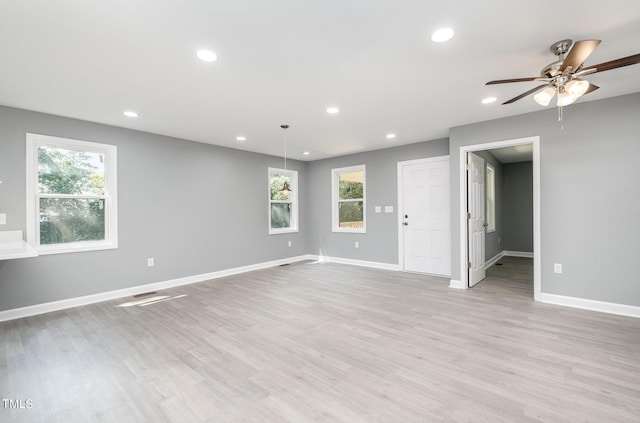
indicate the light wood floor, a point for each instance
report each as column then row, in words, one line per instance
column 326, row 342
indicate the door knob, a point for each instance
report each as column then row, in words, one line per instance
column 406, row 216
column 406, row 223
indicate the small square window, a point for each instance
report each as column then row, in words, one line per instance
column 491, row 198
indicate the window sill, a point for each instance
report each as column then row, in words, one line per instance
column 350, row 231
column 282, row 231
column 13, row 247
column 75, row 248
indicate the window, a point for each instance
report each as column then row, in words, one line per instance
column 71, row 195
column 348, row 205
column 283, row 206
column 491, row 198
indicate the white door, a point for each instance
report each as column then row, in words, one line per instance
column 476, row 218
column 425, row 245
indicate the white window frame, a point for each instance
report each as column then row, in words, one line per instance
column 335, row 200
column 110, row 197
column 293, row 200
column 491, row 198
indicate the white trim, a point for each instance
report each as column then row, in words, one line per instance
column 537, row 269
column 335, row 174
column 33, row 310
column 455, row 284
column 494, row 259
column 401, row 198
column 353, row 262
column 507, row 253
column 527, row 254
column 593, row 305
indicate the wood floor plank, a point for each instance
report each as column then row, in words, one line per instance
column 326, row 342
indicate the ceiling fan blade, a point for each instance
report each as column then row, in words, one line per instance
column 578, row 54
column 614, row 64
column 531, row 91
column 506, row 81
column 592, row 88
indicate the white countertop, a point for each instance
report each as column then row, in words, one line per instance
column 12, row 246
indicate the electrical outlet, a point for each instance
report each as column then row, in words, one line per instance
column 356, row 244
column 150, row 262
column 289, row 243
column 557, row 268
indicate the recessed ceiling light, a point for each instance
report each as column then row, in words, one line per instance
column 130, row 113
column 332, row 110
column 241, row 138
column 306, row 153
column 207, row 55
column 489, row 100
column 391, row 136
column 442, row 35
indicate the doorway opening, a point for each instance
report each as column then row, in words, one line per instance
column 473, row 221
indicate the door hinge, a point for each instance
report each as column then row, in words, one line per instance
column 469, row 265
column 468, row 166
column 468, row 215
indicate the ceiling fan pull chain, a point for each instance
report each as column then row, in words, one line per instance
column 561, row 116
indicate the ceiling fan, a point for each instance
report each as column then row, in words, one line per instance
column 564, row 76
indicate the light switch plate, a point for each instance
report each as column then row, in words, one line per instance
column 378, row 209
column 388, row 209
column 3, row 218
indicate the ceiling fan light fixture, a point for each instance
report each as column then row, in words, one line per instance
column 577, row 87
column 544, row 97
column 564, row 99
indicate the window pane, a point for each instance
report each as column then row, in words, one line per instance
column 64, row 220
column 351, row 185
column 276, row 182
column 351, row 214
column 280, row 215
column 63, row 171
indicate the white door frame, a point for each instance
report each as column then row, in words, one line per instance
column 401, row 201
column 537, row 265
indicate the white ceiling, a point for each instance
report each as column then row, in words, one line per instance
column 513, row 154
column 286, row 61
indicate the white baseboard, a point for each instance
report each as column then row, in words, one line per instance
column 33, row 310
column 527, row 254
column 601, row 306
column 361, row 263
column 494, row 259
column 456, row 284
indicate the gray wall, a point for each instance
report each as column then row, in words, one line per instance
column 518, row 206
column 195, row 208
column 590, row 201
column 380, row 243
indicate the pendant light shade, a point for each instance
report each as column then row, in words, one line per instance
column 286, row 189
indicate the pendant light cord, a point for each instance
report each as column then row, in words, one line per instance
column 285, row 127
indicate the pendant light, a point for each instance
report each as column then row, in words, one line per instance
column 285, row 187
